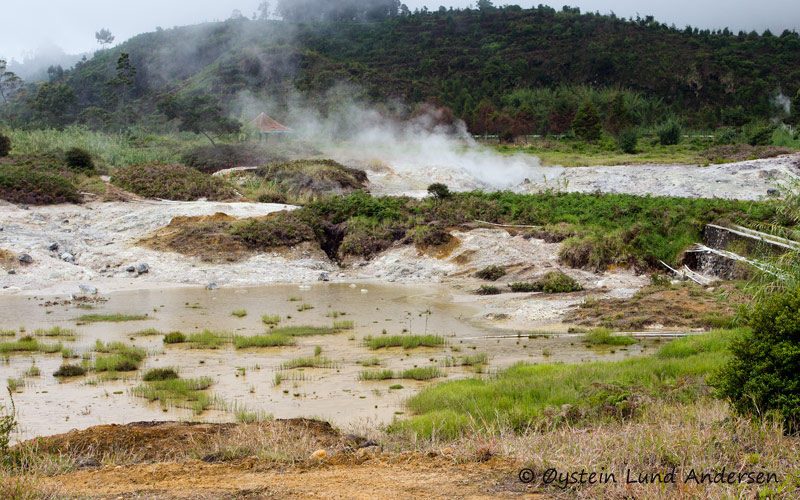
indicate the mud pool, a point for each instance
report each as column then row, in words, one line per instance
column 245, row 378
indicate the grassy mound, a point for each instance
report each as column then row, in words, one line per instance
column 281, row 228
column 30, row 185
column 311, row 178
column 210, row 159
column 171, row 182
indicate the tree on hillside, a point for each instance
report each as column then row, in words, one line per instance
column 104, row 37
column 263, row 10
column 120, row 85
column 586, row 123
column 200, row 114
column 9, row 82
column 52, row 104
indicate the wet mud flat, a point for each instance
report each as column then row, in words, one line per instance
column 260, row 381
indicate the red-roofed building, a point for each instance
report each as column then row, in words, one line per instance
column 267, row 125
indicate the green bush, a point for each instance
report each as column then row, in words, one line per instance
column 278, row 229
column 627, row 141
column 556, row 282
column 761, row 135
column 669, row 133
column 762, row 377
column 520, row 286
column 171, row 182
column 487, row 290
column 5, row 145
column 70, row 371
column 159, row 374
column 491, row 273
column 79, row 160
column 29, row 185
column 174, row 338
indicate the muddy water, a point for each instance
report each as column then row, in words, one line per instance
column 245, row 378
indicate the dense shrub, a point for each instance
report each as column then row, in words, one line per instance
column 627, row 141
column 171, row 182
column 174, row 338
column 70, row 371
column 5, row 145
column 431, row 235
column 32, row 186
column 556, row 282
column 278, row 229
column 761, row 136
column 669, row 133
column 762, row 377
column 313, row 177
column 520, row 286
column 79, row 160
column 159, row 374
column 210, row 159
column 487, row 290
column 491, row 273
column 365, row 237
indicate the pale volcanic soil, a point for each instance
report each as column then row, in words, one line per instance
column 104, row 240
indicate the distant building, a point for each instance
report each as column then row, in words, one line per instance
column 268, row 126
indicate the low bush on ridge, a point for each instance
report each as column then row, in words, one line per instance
column 29, row 185
column 171, row 182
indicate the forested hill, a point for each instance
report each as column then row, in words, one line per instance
column 526, row 69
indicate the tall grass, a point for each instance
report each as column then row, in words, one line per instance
column 178, row 392
column 28, row 344
column 267, row 340
column 518, row 398
column 308, row 362
column 417, row 373
column 110, row 318
column 604, row 336
column 405, row 341
column 113, row 149
column 270, row 319
column 208, row 339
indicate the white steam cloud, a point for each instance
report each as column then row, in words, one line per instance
column 404, row 156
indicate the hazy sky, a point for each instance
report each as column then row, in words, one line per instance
column 71, row 24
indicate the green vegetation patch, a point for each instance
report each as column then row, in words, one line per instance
column 31, row 185
column 308, row 362
column 267, row 340
column 491, row 273
column 174, row 338
column 517, row 398
column 155, row 374
column 171, row 182
column 70, row 371
column 110, row 318
column 604, row 336
column 29, row 344
column 404, row 341
column 208, row 339
column 417, row 373
column 178, row 392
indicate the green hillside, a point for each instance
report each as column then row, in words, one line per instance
column 503, row 70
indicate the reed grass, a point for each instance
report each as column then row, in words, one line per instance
column 110, row 318
column 179, row 392
column 267, row 340
column 308, row 362
column 404, row 341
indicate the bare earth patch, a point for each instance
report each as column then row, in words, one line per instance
column 678, row 306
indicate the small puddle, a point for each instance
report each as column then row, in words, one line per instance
column 245, row 378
